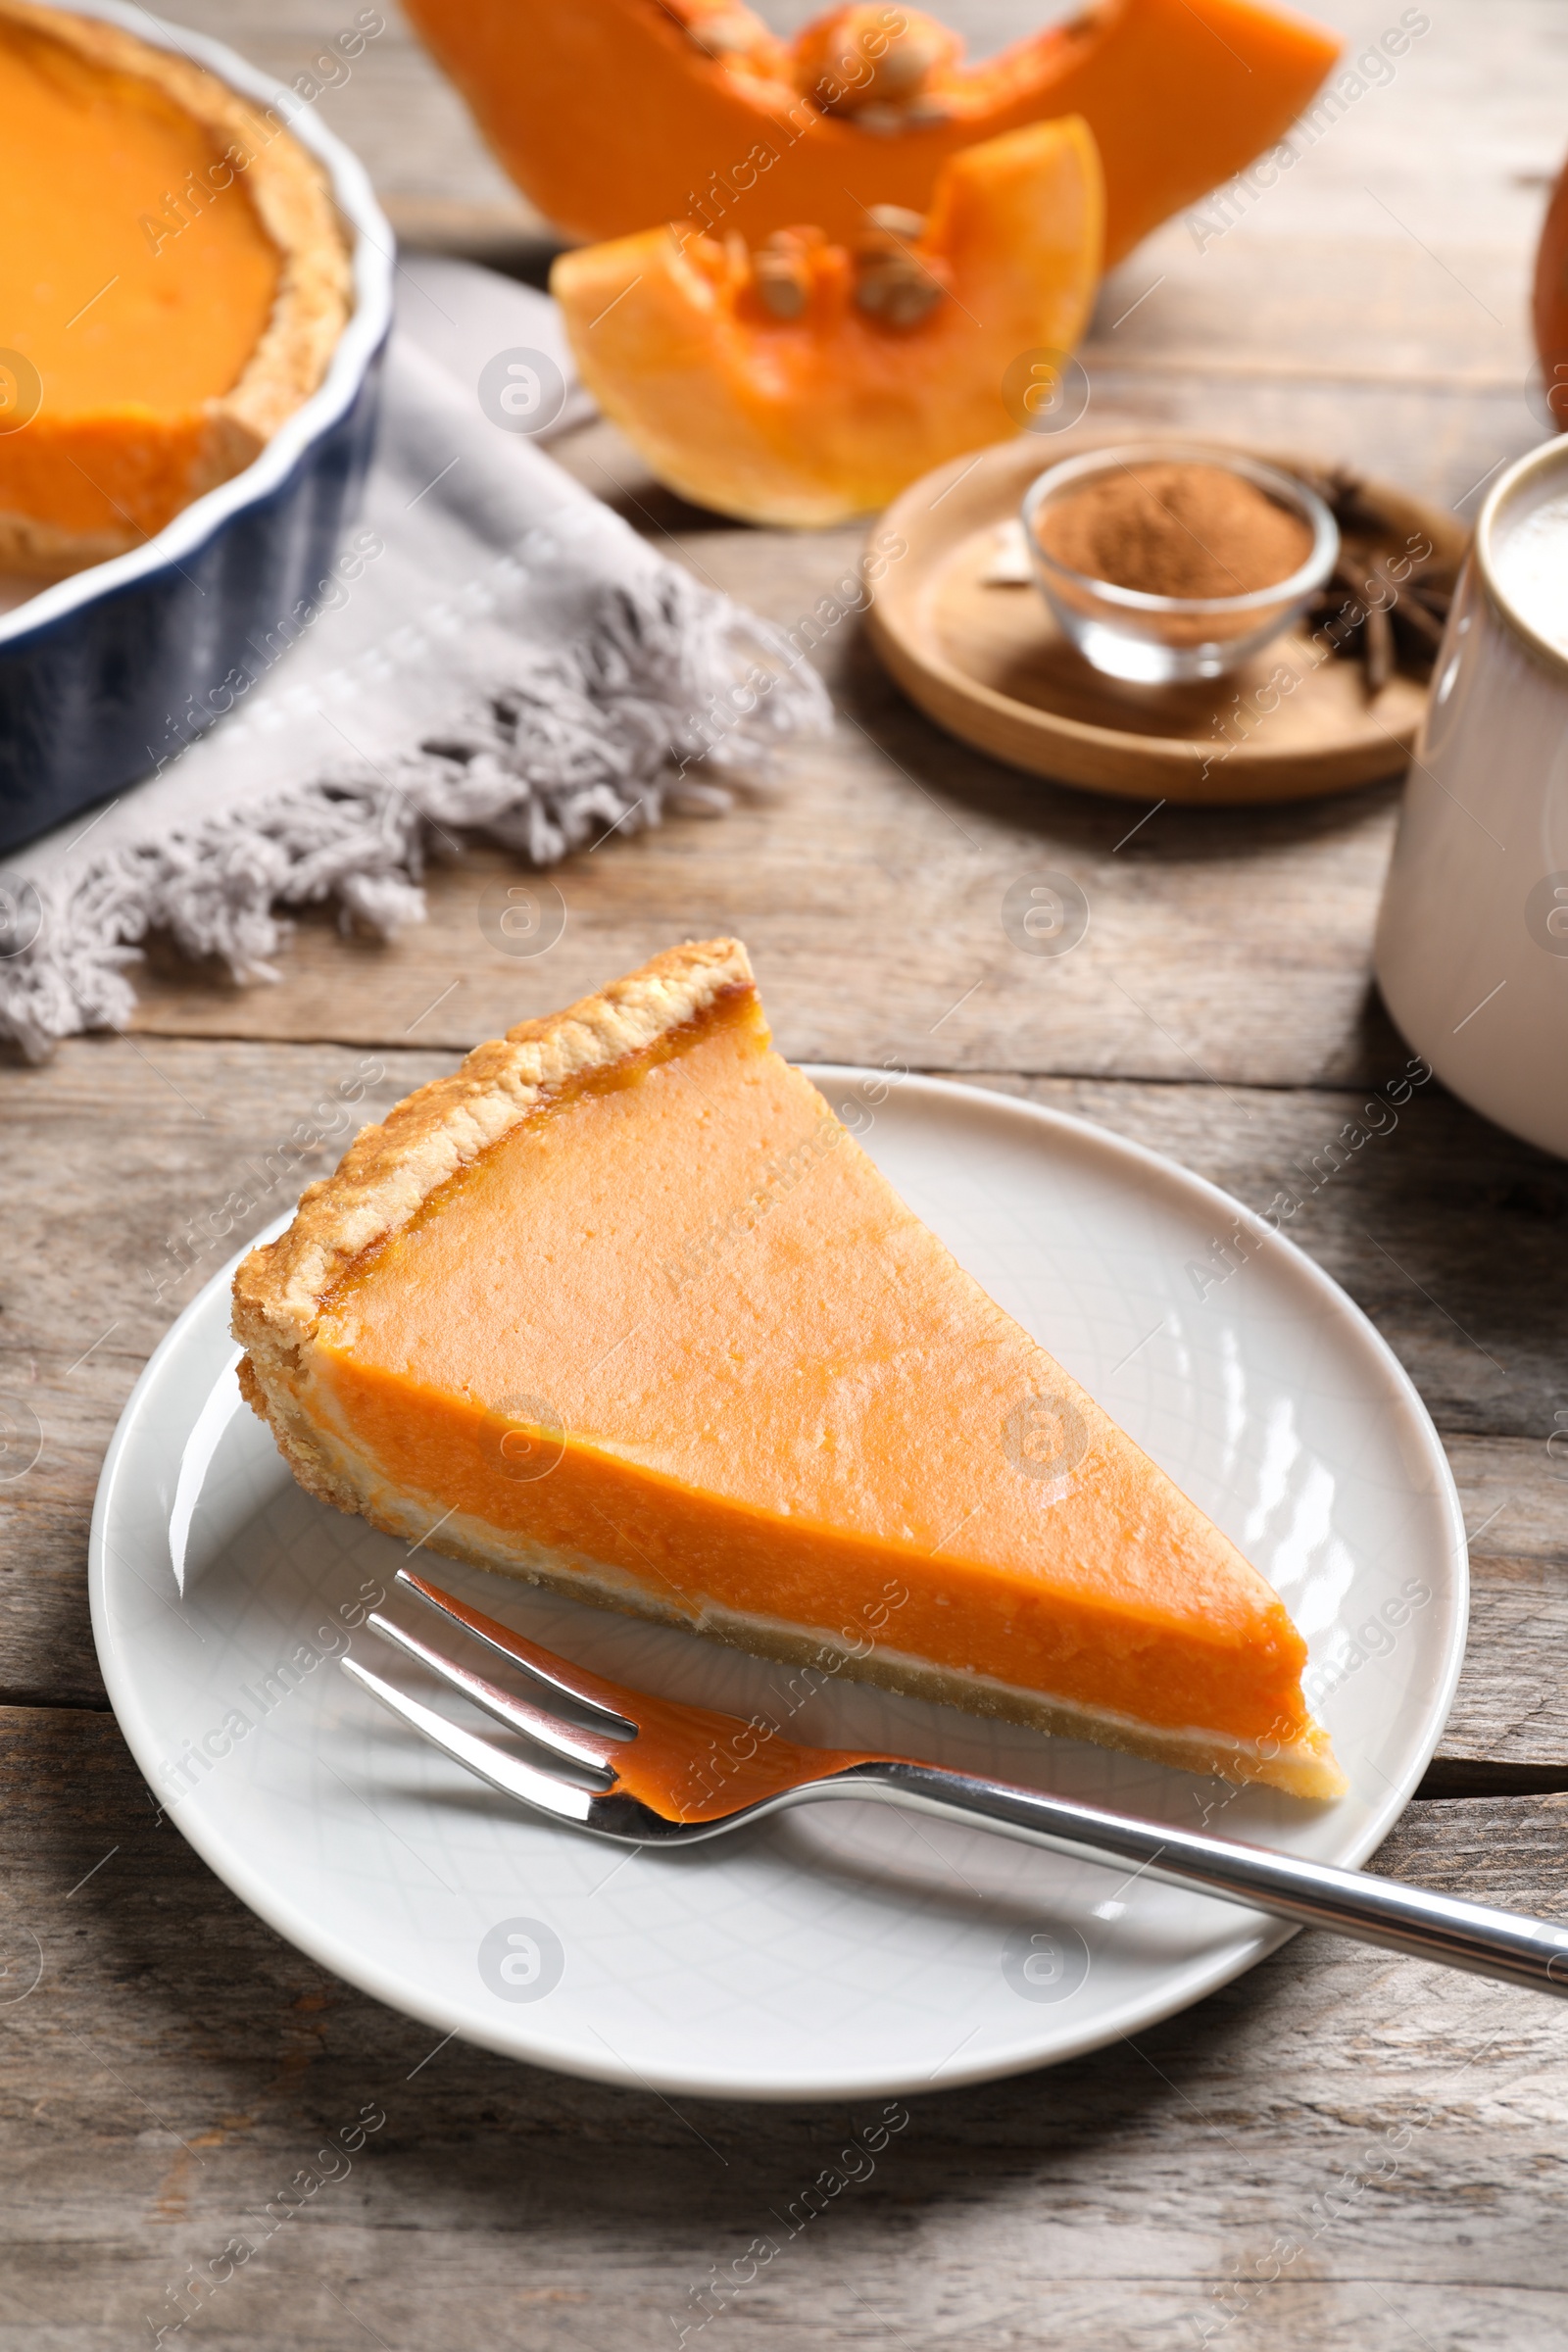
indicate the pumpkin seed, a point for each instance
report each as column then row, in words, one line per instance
column 725, row 35
column 907, row 60
column 892, row 287
column 897, row 220
column 783, row 282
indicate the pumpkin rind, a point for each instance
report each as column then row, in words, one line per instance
column 808, row 420
column 613, row 114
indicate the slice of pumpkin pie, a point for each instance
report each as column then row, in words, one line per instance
column 620, row 1307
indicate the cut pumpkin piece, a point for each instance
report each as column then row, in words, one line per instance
column 810, row 381
column 613, row 114
column 623, row 1310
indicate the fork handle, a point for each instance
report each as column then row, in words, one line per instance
column 1505, row 1944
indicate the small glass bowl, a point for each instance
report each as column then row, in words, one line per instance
column 1160, row 640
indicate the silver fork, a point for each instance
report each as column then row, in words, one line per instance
column 658, row 1772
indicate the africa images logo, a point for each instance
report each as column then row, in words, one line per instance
column 1046, row 1964
column 522, row 1960
column 522, row 391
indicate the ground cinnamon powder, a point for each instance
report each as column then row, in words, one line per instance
column 1176, row 529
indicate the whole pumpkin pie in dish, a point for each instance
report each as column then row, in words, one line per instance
column 622, row 1308
column 173, row 282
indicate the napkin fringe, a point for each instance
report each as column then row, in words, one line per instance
column 597, row 736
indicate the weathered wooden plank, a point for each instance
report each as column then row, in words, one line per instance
column 871, row 900
column 1445, row 1231
column 157, row 1167
column 1442, row 1227
column 869, row 880
column 1383, row 2136
column 1319, row 321
column 211, row 1140
column 869, row 883
column 193, row 1122
column 389, row 103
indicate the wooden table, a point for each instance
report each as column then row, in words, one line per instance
column 1401, row 2128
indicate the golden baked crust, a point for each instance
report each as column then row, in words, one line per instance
column 291, row 197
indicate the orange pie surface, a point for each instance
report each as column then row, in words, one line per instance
column 138, row 283
column 672, row 1340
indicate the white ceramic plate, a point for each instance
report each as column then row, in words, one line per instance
column 845, row 1949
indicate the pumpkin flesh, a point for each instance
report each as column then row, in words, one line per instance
column 611, row 114
column 805, row 421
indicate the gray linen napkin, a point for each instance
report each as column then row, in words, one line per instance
column 496, row 652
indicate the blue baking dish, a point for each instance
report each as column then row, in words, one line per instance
column 107, row 674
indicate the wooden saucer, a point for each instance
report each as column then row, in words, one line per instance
column 988, row 664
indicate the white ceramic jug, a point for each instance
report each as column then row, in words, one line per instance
column 1472, row 942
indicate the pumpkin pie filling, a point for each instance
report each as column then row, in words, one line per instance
column 665, row 1338
column 172, row 282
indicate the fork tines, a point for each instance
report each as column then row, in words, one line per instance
column 590, row 1749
